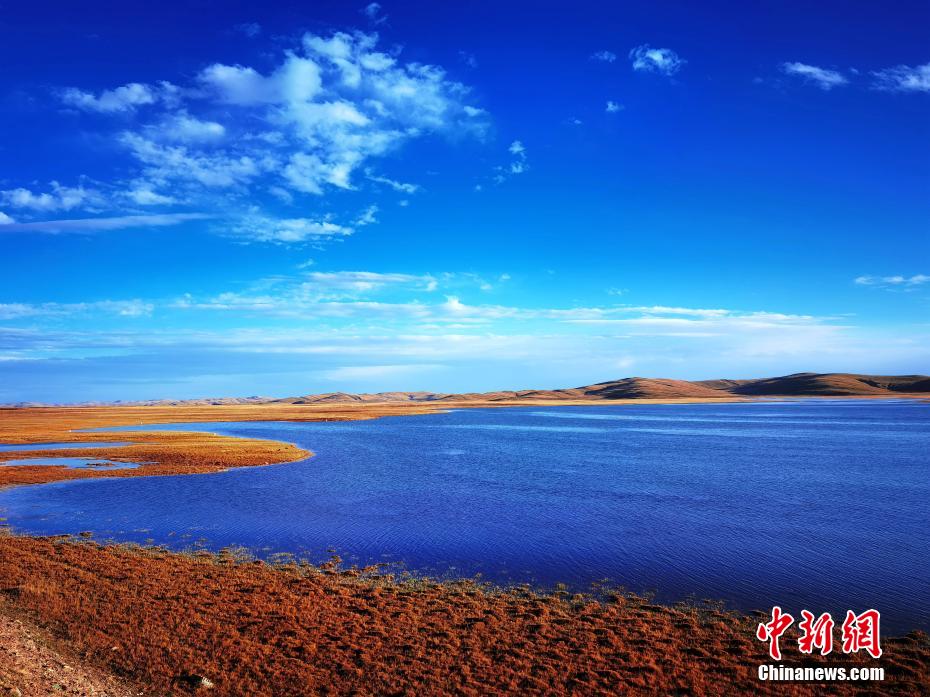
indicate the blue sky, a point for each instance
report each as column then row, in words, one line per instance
column 222, row 198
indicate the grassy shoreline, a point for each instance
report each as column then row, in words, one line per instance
column 165, row 619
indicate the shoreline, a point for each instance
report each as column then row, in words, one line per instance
column 256, row 628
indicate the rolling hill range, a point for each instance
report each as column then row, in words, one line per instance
column 796, row 385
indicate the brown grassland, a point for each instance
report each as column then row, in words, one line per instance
column 252, row 629
column 163, row 621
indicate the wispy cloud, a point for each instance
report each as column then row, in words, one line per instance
column 402, row 187
column 821, row 77
column 122, row 308
column 356, row 325
column 358, row 282
column 263, row 228
column 613, row 107
column 518, row 151
column 335, row 294
column 374, row 14
column 250, row 29
column 119, row 99
column 352, row 373
column 342, row 295
column 468, row 59
column 58, row 198
column 367, row 216
column 518, row 165
column 604, row 56
column 894, row 282
column 88, row 225
column 656, row 60
column 903, row 78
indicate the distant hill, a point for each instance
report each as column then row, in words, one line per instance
column 834, row 384
column 649, row 388
column 796, row 385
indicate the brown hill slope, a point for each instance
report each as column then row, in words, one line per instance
column 649, row 388
column 834, row 384
column 722, row 384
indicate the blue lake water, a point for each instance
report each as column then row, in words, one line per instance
column 823, row 505
column 8, row 447
column 71, row 463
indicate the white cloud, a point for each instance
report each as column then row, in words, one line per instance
column 309, row 174
column 367, row 217
column 60, row 198
column 144, row 196
column 604, row 56
column 656, row 60
column 122, row 308
column 311, row 296
column 342, row 104
column 261, row 228
column 613, row 107
column 402, row 187
column 186, row 129
column 220, row 169
column 120, row 99
column 5, row 219
column 903, row 78
column 357, row 282
column 825, row 79
column 239, row 85
column 234, row 134
column 894, row 282
column 373, row 12
column 518, row 165
column 86, row 225
column 665, row 310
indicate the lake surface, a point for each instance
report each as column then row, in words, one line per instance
column 823, row 505
column 10, row 447
column 71, row 463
